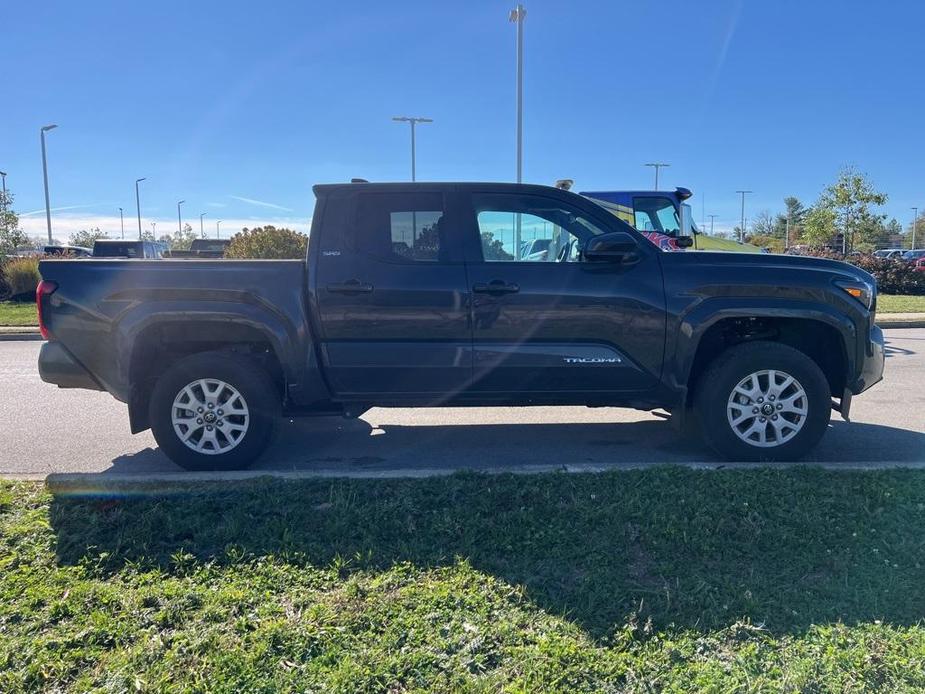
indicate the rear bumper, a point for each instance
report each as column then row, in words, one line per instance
column 871, row 371
column 58, row 366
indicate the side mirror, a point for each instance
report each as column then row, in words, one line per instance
column 613, row 247
column 684, row 241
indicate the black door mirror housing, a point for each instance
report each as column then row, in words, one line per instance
column 685, row 241
column 612, row 247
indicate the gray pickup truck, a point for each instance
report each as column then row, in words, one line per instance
column 417, row 295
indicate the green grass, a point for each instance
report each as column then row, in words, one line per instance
column 18, row 313
column 900, row 303
column 658, row 580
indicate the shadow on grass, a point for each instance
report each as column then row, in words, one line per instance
column 696, row 549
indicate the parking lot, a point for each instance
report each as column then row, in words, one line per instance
column 47, row 430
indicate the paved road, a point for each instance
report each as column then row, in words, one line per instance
column 45, row 430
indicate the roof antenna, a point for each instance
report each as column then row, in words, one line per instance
column 565, row 183
column 358, row 180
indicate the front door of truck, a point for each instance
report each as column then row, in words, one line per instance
column 393, row 298
column 549, row 322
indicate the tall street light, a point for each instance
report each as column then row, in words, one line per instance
column 517, row 15
column 218, row 232
column 915, row 219
column 3, row 177
column 413, row 121
column 743, row 193
column 122, row 222
column 138, row 206
column 712, row 217
column 179, row 219
column 657, row 166
column 45, row 129
column 202, row 234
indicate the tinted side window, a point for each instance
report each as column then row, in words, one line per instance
column 403, row 227
column 530, row 228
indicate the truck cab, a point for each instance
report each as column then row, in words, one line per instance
column 660, row 213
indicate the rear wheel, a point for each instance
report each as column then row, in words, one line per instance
column 213, row 411
column 763, row 401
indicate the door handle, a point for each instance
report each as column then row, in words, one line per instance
column 496, row 287
column 350, row 287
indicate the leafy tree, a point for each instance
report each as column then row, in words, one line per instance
column 11, row 235
column 267, row 242
column 182, row 240
column 819, row 227
column 851, row 198
column 86, row 237
column 493, row 249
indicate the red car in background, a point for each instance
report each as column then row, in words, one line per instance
column 919, row 265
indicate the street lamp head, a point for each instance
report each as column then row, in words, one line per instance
column 139, row 180
column 46, row 128
column 180, row 202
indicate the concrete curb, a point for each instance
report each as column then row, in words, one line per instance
column 105, row 482
column 20, row 335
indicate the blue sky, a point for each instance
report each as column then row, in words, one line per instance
column 239, row 108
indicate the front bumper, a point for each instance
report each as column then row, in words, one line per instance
column 871, row 371
column 58, row 366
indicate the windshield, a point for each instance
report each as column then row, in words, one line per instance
column 656, row 214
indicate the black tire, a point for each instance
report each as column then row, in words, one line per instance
column 261, row 400
column 737, row 363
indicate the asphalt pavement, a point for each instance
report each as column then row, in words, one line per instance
column 46, row 430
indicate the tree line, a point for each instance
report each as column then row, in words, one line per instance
column 845, row 218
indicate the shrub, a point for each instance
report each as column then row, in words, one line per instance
column 267, row 242
column 21, row 277
column 893, row 276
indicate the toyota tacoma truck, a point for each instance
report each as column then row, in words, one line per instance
column 417, row 295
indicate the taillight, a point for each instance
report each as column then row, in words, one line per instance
column 45, row 288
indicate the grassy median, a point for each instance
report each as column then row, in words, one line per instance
column 663, row 579
column 900, row 303
column 18, row 313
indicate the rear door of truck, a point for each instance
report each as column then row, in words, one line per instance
column 392, row 296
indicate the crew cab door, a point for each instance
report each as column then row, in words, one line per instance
column 392, row 296
column 553, row 322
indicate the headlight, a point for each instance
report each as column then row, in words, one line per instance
column 860, row 290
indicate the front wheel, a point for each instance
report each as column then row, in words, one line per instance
column 763, row 401
column 213, row 411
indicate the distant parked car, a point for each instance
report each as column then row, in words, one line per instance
column 912, row 256
column 64, row 249
column 920, row 265
column 202, row 248
column 115, row 248
column 888, row 253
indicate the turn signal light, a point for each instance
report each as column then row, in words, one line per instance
column 45, row 288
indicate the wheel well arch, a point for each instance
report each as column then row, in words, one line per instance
column 158, row 346
column 818, row 340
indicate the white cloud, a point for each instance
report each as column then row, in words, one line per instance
column 32, row 213
column 260, row 203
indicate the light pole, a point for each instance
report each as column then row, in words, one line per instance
column 122, row 222
column 742, row 225
column 138, row 206
column 517, row 15
column 154, row 229
column 45, row 129
column 712, row 217
column 413, row 121
column 179, row 219
column 3, row 177
column 915, row 219
column 657, row 166
column 202, row 233
column 218, row 232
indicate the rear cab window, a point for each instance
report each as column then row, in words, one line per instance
column 403, row 227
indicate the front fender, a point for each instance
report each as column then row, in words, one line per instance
column 691, row 327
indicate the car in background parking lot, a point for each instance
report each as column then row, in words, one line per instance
column 116, row 248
